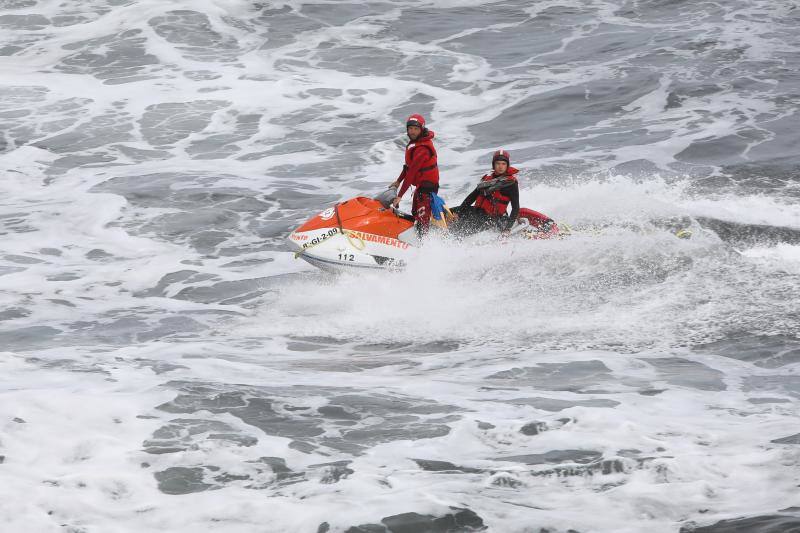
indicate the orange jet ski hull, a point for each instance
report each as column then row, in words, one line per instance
column 362, row 233
column 359, row 232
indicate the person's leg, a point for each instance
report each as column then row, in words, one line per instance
column 421, row 208
column 455, row 225
column 500, row 223
column 472, row 220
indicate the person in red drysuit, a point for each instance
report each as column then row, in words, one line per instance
column 420, row 170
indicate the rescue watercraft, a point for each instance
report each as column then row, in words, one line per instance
column 368, row 233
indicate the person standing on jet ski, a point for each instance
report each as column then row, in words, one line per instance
column 420, row 170
column 491, row 198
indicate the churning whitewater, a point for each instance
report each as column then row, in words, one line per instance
column 168, row 364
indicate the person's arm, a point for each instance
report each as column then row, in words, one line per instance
column 396, row 183
column 404, row 188
column 512, row 191
column 469, row 200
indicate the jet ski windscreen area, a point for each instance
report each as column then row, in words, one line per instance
column 215, row 319
column 385, row 197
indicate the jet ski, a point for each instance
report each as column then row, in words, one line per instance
column 368, row 233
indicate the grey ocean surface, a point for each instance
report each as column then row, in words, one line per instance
column 167, row 365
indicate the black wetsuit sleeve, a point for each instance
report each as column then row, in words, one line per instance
column 469, row 200
column 512, row 191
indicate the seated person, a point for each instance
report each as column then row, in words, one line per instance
column 491, row 198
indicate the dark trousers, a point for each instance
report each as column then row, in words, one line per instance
column 421, row 206
column 474, row 220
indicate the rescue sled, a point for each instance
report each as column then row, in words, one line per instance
column 366, row 233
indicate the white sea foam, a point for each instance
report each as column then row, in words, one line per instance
column 155, row 155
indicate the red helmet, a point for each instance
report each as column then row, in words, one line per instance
column 416, row 120
column 501, row 155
